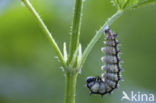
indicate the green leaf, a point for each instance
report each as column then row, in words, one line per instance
column 126, row 4
column 144, row 2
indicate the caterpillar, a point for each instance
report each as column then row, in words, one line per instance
column 109, row 80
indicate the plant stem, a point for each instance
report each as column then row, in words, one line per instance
column 74, row 39
column 45, row 29
column 98, row 35
column 70, row 87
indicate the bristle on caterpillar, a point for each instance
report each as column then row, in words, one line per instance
column 109, row 80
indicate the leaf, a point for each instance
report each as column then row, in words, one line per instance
column 126, row 4
column 144, row 2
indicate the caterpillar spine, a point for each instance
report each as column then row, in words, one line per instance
column 109, row 80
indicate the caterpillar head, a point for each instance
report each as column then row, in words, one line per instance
column 92, row 84
column 90, row 79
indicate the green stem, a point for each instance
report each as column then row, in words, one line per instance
column 70, row 87
column 99, row 34
column 45, row 29
column 74, row 39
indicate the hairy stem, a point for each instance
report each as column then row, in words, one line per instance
column 99, row 34
column 74, row 39
column 70, row 87
column 45, row 29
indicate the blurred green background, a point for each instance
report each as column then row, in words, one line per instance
column 29, row 71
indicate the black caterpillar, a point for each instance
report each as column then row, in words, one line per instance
column 109, row 80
